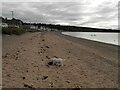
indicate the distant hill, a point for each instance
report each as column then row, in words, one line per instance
column 73, row 28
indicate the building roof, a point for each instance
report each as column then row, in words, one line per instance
column 11, row 21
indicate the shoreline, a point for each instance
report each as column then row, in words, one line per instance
column 97, row 36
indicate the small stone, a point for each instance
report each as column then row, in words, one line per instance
column 18, row 51
column 6, row 55
column 56, row 61
column 68, row 57
column 47, row 57
column 8, row 75
column 55, row 56
column 47, row 46
column 23, row 77
column 68, row 81
column 24, row 50
column 51, row 84
column 37, row 78
column 50, row 63
column 16, row 58
column 44, row 77
column 43, row 40
column 28, row 86
column 39, row 52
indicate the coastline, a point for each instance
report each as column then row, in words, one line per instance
column 96, row 36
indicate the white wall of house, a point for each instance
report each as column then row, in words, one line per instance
column 33, row 27
column 43, row 28
column 4, row 25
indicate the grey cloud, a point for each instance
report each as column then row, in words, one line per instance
column 72, row 13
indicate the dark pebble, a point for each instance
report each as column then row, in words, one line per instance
column 23, row 77
column 47, row 46
column 43, row 40
column 50, row 63
column 47, row 57
column 55, row 56
column 8, row 75
column 39, row 52
column 16, row 58
column 44, row 77
column 68, row 81
column 28, row 86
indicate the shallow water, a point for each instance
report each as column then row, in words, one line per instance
column 111, row 38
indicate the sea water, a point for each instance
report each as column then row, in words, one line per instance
column 105, row 37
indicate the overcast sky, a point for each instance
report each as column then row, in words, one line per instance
column 89, row 13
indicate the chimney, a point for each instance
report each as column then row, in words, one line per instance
column 6, row 18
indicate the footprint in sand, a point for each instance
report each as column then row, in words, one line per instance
column 6, row 55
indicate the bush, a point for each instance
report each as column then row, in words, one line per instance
column 10, row 31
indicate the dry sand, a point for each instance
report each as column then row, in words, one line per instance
column 87, row 64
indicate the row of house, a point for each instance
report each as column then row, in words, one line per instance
column 16, row 23
column 41, row 28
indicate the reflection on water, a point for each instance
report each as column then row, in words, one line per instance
column 111, row 38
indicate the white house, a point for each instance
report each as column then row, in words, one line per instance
column 33, row 27
column 4, row 25
column 43, row 28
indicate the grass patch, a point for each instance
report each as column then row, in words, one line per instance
column 10, row 31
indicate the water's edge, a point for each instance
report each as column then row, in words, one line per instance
column 110, row 38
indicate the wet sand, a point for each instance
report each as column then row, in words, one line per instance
column 87, row 64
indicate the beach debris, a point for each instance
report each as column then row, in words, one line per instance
column 21, row 42
column 16, row 58
column 67, row 81
column 69, row 52
column 47, row 46
column 24, row 50
column 68, row 57
column 51, row 84
column 55, row 56
column 56, row 62
column 8, row 75
column 43, row 40
column 17, row 52
column 39, row 52
column 26, row 70
column 28, row 86
column 44, row 77
column 6, row 55
column 47, row 57
column 23, row 77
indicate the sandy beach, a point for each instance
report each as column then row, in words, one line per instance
column 87, row 64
